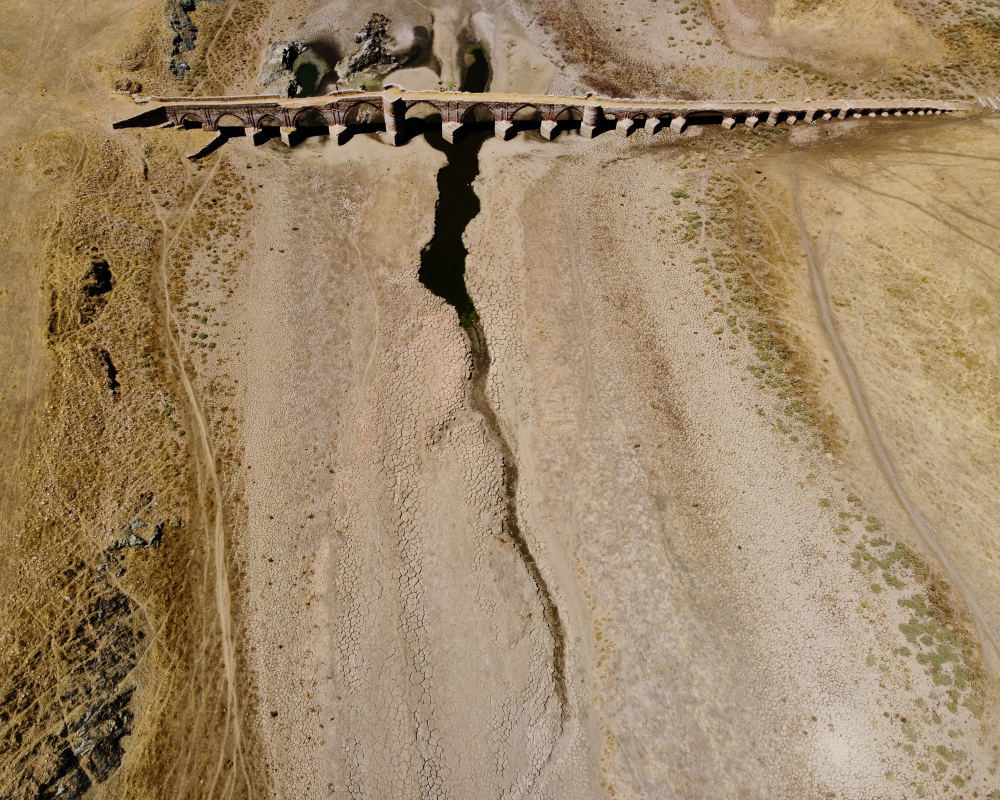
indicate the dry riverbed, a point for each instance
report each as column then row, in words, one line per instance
column 255, row 514
column 739, row 590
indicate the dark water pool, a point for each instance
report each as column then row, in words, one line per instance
column 307, row 75
column 442, row 261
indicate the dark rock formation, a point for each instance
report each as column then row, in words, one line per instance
column 98, row 280
column 185, row 33
column 62, row 748
column 112, row 372
column 374, row 53
column 97, row 284
column 385, row 45
column 133, row 539
column 276, row 73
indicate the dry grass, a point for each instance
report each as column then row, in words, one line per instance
column 133, row 628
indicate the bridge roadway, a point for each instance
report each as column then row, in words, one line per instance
column 349, row 112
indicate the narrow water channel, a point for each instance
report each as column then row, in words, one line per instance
column 442, row 270
column 442, row 261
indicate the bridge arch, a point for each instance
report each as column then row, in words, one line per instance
column 569, row 114
column 422, row 110
column 478, row 112
column 192, row 120
column 310, row 117
column 526, row 117
column 421, row 116
column 268, row 121
column 229, row 119
column 704, row 118
column 528, row 111
column 364, row 114
column 567, row 118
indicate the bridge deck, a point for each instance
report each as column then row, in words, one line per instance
column 354, row 111
column 489, row 98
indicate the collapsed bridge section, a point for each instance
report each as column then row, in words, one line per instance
column 395, row 111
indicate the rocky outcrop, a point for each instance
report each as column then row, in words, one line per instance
column 384, row 46
column 98, row 650
column 185, row 33
column 276, row 71
column 374, row 52
column 97, row 284
column 132, row 539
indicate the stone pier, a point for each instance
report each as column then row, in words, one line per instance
column 593, row 115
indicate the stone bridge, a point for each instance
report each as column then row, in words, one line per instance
column 400, row 113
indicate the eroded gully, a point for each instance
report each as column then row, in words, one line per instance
column 442, row 271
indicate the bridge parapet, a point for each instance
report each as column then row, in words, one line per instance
column 394, row 110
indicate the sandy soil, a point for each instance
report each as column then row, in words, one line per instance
column 903, row 230
column 747, row 543
column 738, row 581
column 108, row 647
column 740, row 48
column 370, row 633
column 748, row 604
column 517, row 61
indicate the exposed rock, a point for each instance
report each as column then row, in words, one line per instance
column 104, row 726
column 384, row 46
column 69, row 782
column 133, row 539
column 276, row 75
column 112, row 372
column 374, row 51
column 97, row 283
column 185, row 33
column 98, row 279
column 78, row 742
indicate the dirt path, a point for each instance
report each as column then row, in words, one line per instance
column 213, row 509
column 211, row 44
column 920, row 523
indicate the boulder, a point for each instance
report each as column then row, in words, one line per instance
column 373, row 53
column 185, row 32
column 133, row 539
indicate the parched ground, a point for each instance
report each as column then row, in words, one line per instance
column 372, row 628
column 740, row 48
column 746, row 382
column 757, row 596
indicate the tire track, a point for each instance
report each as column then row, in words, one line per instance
column 211, row 44
column 208, row 477
column 920, row 524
